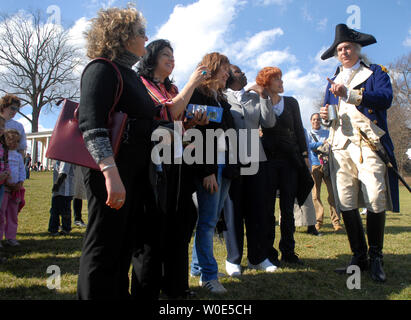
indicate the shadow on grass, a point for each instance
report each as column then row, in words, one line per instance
column 33, row 251
column 316, row 280
column 34, row 292
column 37, row 267
column 73, row 233
column 328, row 229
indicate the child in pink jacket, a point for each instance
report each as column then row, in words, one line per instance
column 13, row 197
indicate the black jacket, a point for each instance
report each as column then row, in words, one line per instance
column 204, row 170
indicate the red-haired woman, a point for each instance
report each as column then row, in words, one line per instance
column 286, row 150
column 212, row 179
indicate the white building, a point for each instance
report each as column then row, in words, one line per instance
column 43, row 139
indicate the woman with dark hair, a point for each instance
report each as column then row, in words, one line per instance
column 120, row 194
column 155, row 69
column 179, row 220
column 286, row 149
column 212, row 180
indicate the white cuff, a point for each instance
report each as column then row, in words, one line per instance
column 354, row 97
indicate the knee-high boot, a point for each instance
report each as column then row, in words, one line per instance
column 375, row 233
column 356, row 238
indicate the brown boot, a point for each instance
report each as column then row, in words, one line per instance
column 338, row 227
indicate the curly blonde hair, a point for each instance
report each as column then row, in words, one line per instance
column 213, row 61
column 111, row 29
column 9, row 100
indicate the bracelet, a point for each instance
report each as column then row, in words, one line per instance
column 109, row 166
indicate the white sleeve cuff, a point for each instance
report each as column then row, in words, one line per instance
column 354, row 97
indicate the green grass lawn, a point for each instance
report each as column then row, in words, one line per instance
column 24, row 274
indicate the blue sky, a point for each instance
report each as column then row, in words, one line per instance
column 291, row 34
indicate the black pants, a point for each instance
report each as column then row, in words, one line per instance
column 114, row 237
column 179, row 223
column 77, row 207
column 249, row 205
column 283, row 176
column 60, row 206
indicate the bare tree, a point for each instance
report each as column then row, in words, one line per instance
column 37, row 63
column 399, row 115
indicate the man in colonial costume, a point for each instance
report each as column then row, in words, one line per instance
column 361, row 93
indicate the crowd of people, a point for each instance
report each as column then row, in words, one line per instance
column 144, row 214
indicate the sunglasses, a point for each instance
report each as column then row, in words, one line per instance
column 142, row 32
column 14, row 108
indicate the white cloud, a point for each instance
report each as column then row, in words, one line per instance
column 322, row 24
column 247, row 48
column 307, row 89
column 407, row 41
column 204, row 26
column 275, row 58
column 27, row 124
column 76, row 33
column 195, row 30
column 275, row 2
column 306, row 14
column 77, row 39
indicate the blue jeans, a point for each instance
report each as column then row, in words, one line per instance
column 1, row 193
column 209, row 209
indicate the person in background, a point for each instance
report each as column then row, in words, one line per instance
column 27, row 164
column 249, row 109
column 78, row 197
column 213, row 179
column 4, row 168
column 9, row 106
column 286, row 150
column 155, row 69
column 316, row 138
column 4, row 163
column 360, row 94
column 62, row 194
column 305, row 215
column 13, row 198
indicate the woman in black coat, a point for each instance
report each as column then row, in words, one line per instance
column 286, row 150
column 119, row 194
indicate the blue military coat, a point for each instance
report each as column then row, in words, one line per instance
column 377, row 98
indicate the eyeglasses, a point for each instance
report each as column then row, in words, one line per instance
column 14, row 108
column 141, row 32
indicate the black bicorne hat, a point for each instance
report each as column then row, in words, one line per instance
column 345, row 34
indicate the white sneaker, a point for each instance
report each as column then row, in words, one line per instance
column 233, row 270
column 266, row 266
column 12, row 242
column 214, row 286
column 80, row 224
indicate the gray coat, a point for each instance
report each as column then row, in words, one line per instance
column 79, row 186
column 67, row 187
column 251, row 113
